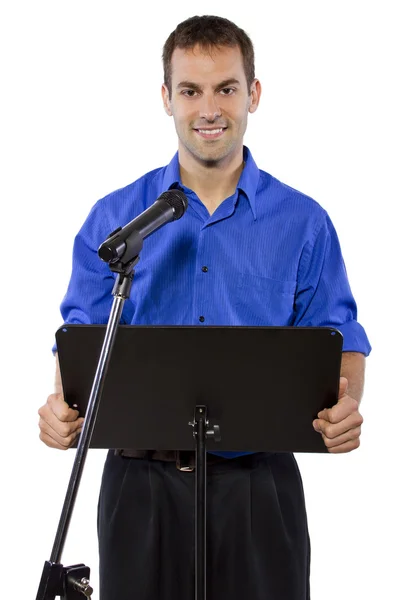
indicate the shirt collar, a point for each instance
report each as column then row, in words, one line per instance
column 248, row 182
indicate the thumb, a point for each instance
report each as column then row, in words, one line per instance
column 328, row 413
column 61, row 409
column 343, row 385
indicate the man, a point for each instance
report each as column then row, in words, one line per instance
column 248, row 251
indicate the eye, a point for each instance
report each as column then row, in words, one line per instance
column 227, row 91
column 189, row 93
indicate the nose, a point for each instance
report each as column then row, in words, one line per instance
column 209, row 108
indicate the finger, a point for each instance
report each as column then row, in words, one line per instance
column 347, row 447
column 61, row 409
column 52, row 439
column 61, row 429
column 51, row 443
column 349, row 436
column 332, row 430
column 64, row 438
column 346, row 406
column 46, row 439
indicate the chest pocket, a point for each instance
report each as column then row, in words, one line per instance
column 264, row 301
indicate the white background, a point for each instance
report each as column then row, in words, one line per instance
column 81, row 115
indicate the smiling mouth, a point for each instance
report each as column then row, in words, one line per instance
column 211, row 133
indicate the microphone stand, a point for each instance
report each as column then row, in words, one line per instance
column 72, row 583
column 121, row 250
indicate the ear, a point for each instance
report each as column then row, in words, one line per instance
column 255, row 94
column 166, row 100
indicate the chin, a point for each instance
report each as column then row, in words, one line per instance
column 212, row 156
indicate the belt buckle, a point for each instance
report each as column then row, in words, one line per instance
column 184, row 461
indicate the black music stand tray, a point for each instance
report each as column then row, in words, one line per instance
column 205, row 389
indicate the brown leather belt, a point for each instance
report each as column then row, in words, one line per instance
column 185, row 459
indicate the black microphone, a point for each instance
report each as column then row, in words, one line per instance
column 126, row 242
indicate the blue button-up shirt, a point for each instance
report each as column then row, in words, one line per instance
column 268, row 255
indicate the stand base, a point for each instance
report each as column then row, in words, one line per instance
column 70, row 583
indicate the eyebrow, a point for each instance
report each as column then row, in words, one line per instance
column 195, row 86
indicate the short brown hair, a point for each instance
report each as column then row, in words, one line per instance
column 208, row 32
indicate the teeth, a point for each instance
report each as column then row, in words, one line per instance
column 210, row 131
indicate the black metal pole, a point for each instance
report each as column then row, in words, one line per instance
column 87, row 431
column 201, row 503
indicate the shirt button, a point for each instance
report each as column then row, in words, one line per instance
column 201, row 319
column 204, row 269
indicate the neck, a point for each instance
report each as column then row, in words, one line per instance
column 212, row 183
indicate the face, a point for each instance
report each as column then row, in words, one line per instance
column 210, row 102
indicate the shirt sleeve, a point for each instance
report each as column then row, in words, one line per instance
column 89, row 297
column 323, row 295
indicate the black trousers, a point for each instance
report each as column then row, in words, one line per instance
column 258, row 546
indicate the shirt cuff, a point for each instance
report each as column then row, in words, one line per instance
column 354, row 337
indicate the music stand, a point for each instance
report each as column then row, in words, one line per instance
column 205, row 388
column 262, row 385
column 121, row 251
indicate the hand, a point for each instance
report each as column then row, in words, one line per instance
column 59, row 424
column 340, row 426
